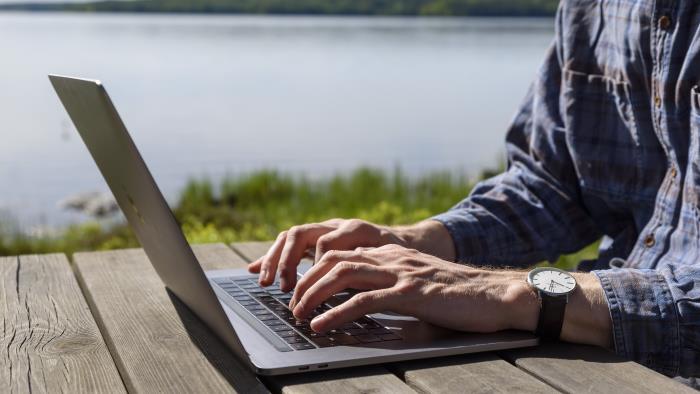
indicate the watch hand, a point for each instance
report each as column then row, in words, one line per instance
column 557, row 283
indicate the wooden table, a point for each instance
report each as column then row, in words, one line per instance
column 105, row 323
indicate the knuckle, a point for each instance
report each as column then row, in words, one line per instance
column 330, row 256
column 345, row 268
column 293, row 232
column 355, row 223
column 363, row 299
column 323, row 243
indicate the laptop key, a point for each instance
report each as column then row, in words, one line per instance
column 343, row 339
column 286, row 333
column 324, row 342
column 248, row 303
column 254, row 307
column 379, row 331
column 279, row 327
column 314, row 334
column 368, row 338
column 302, row 346
column 295, row 339
column 356, row 331
column 389, row 337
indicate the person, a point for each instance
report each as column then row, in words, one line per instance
column 606, row 144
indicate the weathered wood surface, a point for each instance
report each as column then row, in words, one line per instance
column 157, row 343
column 577, row 368
column 476, row 373
column 50, row 342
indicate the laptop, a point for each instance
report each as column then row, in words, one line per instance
column 254, row 322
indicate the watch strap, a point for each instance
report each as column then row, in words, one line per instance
column 551, row 316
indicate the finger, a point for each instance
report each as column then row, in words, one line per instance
column 344, row 275
column 255, row 266
column 318, row 270
column 268, row 265
column 339, row 239
column 356, row 307
column 299, row 238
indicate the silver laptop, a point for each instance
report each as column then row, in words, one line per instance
column 254, row 322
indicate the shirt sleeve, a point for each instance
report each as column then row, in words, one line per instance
column 531, row 212
column 656, row 316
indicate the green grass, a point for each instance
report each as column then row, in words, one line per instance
column 258, row 206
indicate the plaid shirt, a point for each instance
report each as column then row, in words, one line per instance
column 607, row 143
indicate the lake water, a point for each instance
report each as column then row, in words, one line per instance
column 217, row 95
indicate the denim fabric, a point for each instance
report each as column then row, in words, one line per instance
column 607, row 144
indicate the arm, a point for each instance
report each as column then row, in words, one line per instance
column 446, row 294
column 534, row 210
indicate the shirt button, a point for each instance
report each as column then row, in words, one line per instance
column 657, row 101
column 649, row 241
column 674, row 172
column 664, row 22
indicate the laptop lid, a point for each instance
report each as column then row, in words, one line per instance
column 141, row 201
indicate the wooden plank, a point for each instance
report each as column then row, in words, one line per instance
column 340, row 381
column 157, row 343
column 50, row 341
column 577, row 368
column 351, row 380
column 476, row 373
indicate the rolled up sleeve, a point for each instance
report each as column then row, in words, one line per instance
column 656, row 316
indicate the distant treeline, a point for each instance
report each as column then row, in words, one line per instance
column 312, row 7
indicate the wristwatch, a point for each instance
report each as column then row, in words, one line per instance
column 553, row 288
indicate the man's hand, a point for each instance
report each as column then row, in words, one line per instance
column 446, row 294
column 412, row 283
column 339, row 234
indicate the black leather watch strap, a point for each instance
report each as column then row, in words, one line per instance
column 551, row 316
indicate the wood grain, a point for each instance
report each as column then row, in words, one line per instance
column 350, row 380
column 50, row 341
column 577, row 368
column 475, row 373
column 157, row 343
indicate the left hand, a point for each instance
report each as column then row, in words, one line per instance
column 408, row 282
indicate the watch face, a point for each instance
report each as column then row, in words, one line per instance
column 552, row 280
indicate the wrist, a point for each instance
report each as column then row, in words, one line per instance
column 429, row 236
column 587, row 318
column 522, row 304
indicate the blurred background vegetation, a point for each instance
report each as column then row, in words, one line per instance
column 259, row 205
column 313, row 7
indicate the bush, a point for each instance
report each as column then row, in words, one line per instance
column 259, row 205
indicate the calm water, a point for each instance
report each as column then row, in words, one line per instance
column 216, row 95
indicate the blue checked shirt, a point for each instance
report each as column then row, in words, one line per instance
column 607, row 143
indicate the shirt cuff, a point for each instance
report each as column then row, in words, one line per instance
column 644, row 317
column 467, row 235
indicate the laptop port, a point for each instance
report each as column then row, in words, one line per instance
column 304, row 368
column 322, row 366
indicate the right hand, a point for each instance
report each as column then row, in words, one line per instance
column 335, row 234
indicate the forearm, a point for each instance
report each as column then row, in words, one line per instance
column 430, row 237
column 587, row 318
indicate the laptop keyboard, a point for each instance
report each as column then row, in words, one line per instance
column 269, row 306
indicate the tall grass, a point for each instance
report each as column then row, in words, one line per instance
column 259, row 205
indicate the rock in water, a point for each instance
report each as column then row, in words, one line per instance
column 96, row 204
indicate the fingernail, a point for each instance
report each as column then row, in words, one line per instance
column 263, row 275
column 318, row 319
